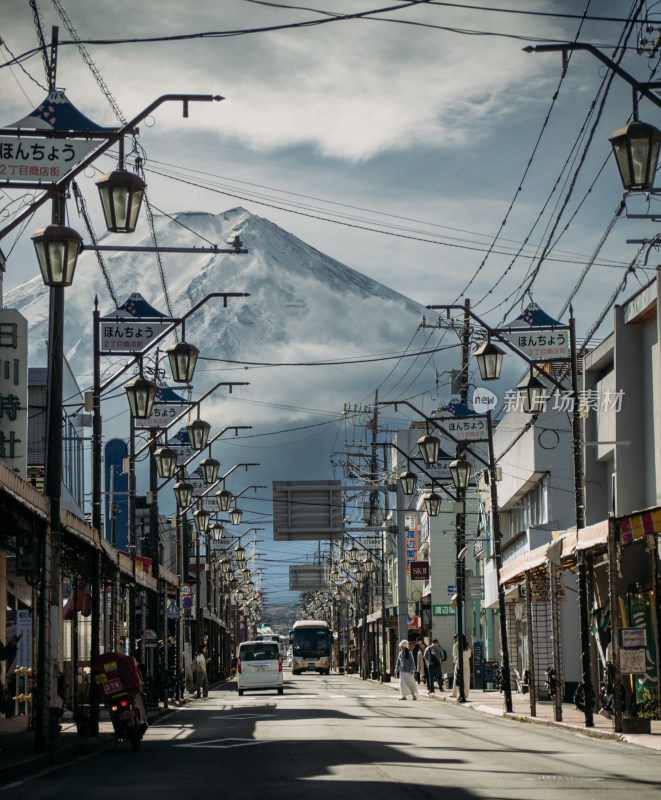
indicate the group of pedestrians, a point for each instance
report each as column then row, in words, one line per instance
column 415, row 662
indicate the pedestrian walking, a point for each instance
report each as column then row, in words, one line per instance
column 433, row 657
column 420, row 667
column 200, row 680
column 466, row 666
column 405, row 667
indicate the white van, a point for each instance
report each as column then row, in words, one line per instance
column 259, row 666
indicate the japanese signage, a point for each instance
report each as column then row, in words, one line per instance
column 632, row 662
column 13, row 390
column 167, row 405
column 411, row 531
column 24, row 158
column 419, row 570
column 637, row 613
column 541, row 344
column 466, row 429
column 634, row 637
column 442, row 610
column 129, row 336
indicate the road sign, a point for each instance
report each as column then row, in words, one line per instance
column 172, row 611
column 452, row 590
column 186, row 590
column 187, row 602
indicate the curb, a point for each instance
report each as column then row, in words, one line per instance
column 513, row 717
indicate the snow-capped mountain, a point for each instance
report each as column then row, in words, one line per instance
column 303, row 305
column 304, row 311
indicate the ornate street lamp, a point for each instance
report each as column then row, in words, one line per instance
column 209, row 468
column 408, row 480
column 217, row 531
column 368, row 565
column 224, row 499
column 183, row 358
column 345, row 564
column 225, row 566
column 121, row 194
column 489, row 361
column 240, row 554
column 352, row 553
column 636, row 149
column 198, row 433
column 533, row 395
column 235, row 515
column 183, row 492
column 432, row 504
column 429, row 446
column 141, row 393
column 201, row 519
column 166, row 461
column 460, row 470
column 57, row 249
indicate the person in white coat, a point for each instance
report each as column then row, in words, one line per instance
column 466, row 663
column 405, row 667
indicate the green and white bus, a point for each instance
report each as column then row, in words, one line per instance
column 311, row 642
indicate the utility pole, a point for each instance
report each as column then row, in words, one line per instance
column 460, row 519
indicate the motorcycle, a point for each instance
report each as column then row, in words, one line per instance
column 119, row 685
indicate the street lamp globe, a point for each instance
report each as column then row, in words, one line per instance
column 209, row 468
column 201, row 519
column 460, row 470
column 345, row 564
column 235, row 515
column 121, row 195
column 368, row 565
column 217, row 531
column 533, row 395
column 429, row 446
column 636, row 149
column 224, row 499
column 198, row 433
column 183, row 492
column 432, row 504
column 240, row 553
column 408, row 480
column 57, row 249
column 352, row 552
column 165, row 459
column 183, row 358
column 489, row 361
column 225, row 566
column 141, row 394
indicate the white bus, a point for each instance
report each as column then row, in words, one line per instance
column 311, row 647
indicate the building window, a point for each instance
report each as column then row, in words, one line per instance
column 531, row 511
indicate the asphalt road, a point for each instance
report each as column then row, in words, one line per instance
column 337, row 737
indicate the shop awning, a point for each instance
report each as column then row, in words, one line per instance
column 520, row 565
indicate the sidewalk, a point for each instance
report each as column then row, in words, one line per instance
column 18, row 756
column 572, row 718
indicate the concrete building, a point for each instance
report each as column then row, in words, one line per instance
column 536, row 499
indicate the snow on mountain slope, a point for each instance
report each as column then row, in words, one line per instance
column 303, row 305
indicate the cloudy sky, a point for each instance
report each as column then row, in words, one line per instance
column 417, row 143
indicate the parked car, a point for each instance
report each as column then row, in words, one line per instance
column 259, row 666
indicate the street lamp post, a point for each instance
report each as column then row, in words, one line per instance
column 460, row 480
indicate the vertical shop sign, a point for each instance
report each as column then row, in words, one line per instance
column 411, row 529
column 638, row 614
column 14, row 390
